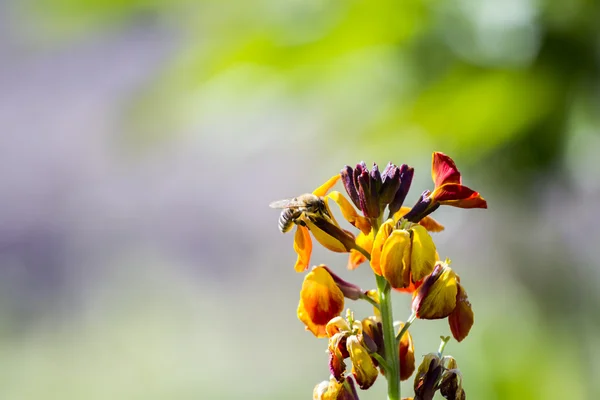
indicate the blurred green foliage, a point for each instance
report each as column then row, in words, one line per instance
column 491, row 82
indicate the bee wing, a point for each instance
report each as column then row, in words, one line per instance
column 285, row 203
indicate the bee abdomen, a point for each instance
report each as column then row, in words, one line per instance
column 286, row 220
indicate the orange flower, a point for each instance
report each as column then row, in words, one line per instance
column 320, row 300
column 449, row 189
column 441, row 295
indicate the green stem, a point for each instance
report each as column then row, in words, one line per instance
column 409, row 321
column 444, row 342
column 380, row 360
column 389, row 339
column 366, row 297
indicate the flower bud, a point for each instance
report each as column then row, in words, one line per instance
column 347, row 175
column 406, row 176
column 390, row 184
column 422, row 208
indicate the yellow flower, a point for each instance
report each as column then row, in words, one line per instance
column 403, row 256
column 320, row 300
column 441, row 295
column 366, row 241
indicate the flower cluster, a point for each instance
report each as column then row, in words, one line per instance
column 402, row 256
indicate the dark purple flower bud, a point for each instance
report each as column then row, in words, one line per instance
column 423, row 208
column 347, row 175
column 360, row 168
column 391, row 183
column 368, row 203
column 387, row 170
column 375, row 177
column 406, row 176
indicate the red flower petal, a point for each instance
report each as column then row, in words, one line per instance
column 443, row 170
column 453, row 194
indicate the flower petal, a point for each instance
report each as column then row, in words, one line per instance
column 443, row 170
column 324, row 188
column 457, row 195
column 320, row 301
column 363, row 368
column 336, row 325
column 461, row 319
column 337, row 354
column 330, row 235
column 349, row 213
column 411, row 288
column 423, row 253
column 436, row 298
column 429, row 223
column 395, row 259
column 302, row 247
column 407, row 355
column 383, row 233
column 356, row 257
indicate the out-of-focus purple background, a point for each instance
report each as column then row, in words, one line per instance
column 141, row 143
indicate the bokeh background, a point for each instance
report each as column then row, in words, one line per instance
column 141, row 142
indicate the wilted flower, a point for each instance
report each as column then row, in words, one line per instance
column 441, row 296
column 441, row 374
column 347, row 339
column 334, row 390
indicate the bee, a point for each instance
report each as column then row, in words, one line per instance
column 309, row 204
